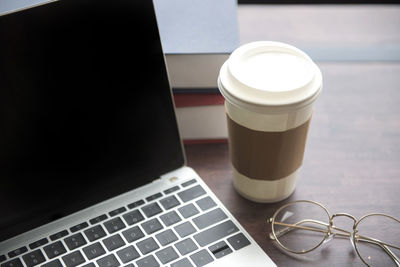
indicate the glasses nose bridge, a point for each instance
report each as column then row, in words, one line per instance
column 350, row 235
column 343, row 215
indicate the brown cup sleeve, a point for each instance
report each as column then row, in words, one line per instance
column 266, row 155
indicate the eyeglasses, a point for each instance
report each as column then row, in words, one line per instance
column 302, row 226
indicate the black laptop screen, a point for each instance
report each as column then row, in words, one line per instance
column 85, row 108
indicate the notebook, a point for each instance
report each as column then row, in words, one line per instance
column 92, row 167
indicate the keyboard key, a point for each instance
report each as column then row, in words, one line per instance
column 151, row 209
column 33, row 258
column 215, row 233
column 113, row 242
column 153, row 197
column 148, row 261
column 148, row 245
column 2, row 258
column 133, row 217
column 94, row 250
column 55, row 249
column 166, row 237
column 89, row 265
column 188, row 211
column 186, row 184
column 170, row 190
column 128, row 254
column 95, row 233
column 129, row 265
column 167, row 255
column 206, row 203
column 133, row 234
column 117, row 211
column 170, row 218
column 54, row 263
column 136, row 204
column 98, row 219
column 73, row 259
column 186, row 246
column 185, row 229
column 201, row 258
column 191, row 193
column 218, row 246
column 238, row 241
column 17, row 252
column 38, row 243
column 58, row 235
column 220, row 249
column 182, row 263
column 12, row 263
column 78, row 227
column 75, row 241
column 169, row 202
column 114, row 225
column 209, row 218
column 152, row 226
column 108, row 261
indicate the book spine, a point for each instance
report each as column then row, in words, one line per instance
column 192, row 100
column 201, row 118
column 195, row 90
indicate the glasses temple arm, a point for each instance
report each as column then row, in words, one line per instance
column 383, row 245
column 392, row 255
column 310, row 228
column 374, row 241
column 298, row 225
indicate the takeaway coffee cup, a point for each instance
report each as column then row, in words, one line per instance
column 269, row 88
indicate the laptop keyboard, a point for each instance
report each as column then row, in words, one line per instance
column 178, row 227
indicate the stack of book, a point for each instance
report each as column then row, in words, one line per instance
column 197, row 37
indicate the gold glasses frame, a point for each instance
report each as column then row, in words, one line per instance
column 331, row 231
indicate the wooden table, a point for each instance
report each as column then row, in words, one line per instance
column 351, row 163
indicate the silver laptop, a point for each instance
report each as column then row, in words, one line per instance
column 92, row 169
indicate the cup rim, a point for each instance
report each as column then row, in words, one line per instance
column 244, row 95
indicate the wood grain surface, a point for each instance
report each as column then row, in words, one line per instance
column 351, row 163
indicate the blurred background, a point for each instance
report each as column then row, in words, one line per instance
column 328, row 32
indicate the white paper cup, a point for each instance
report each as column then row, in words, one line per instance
column 269, row 88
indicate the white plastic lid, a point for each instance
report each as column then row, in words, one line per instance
column 269, row 74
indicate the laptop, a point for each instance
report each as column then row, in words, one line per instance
column 92, row 168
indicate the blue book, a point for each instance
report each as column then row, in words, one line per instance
column 197, row 37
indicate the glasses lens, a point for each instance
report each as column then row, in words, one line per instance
column 378, row 240
column 301, row 226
